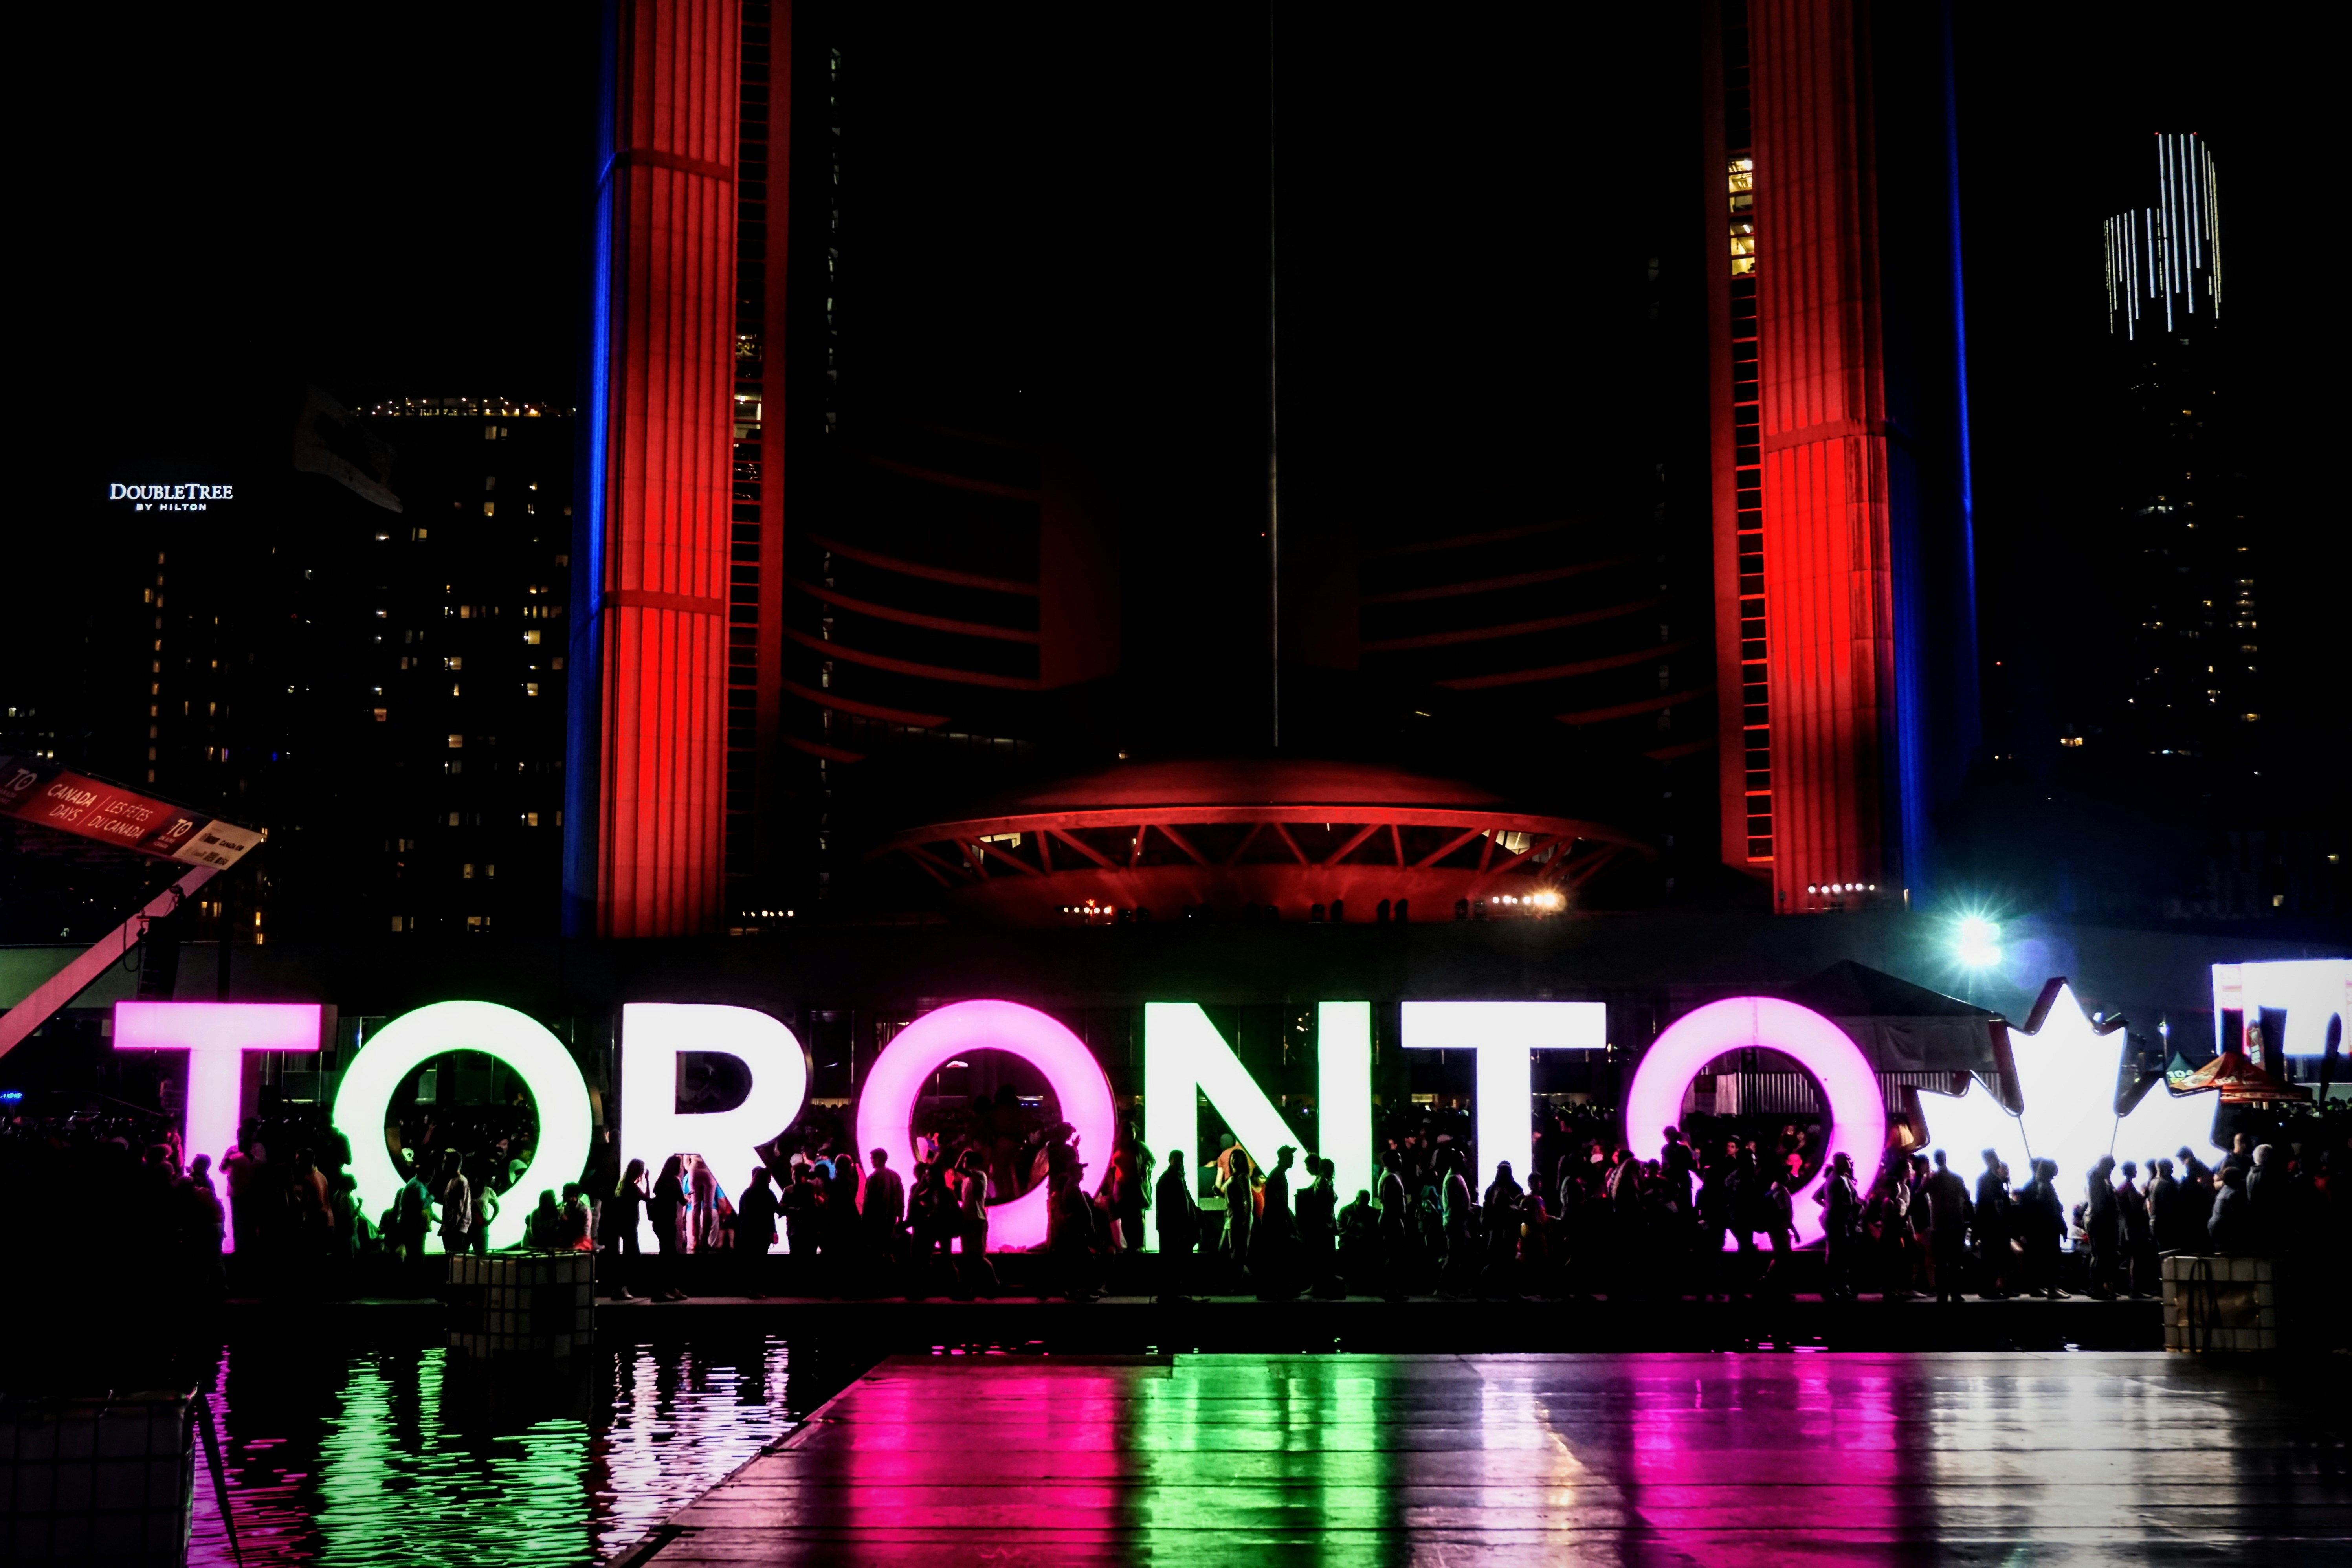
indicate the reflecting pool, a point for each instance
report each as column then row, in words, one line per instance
column 409, row 1456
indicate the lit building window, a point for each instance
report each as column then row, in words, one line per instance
column 532, row 638
column 456, row 741
column 530, row 689
column 382, row 714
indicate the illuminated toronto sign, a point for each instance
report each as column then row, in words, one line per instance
column 2298, row 1000
column 2067, row 1076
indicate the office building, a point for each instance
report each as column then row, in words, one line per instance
column 859, row 552
column 2181, row 531
column 1846, row 616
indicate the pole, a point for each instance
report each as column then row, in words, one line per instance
column 67, row 983
column 1273, row 409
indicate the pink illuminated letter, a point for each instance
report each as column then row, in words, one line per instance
column 887, row 1108
column 1858, row 1111
column 216, row 1035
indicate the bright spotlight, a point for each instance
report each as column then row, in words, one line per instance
column 1978, row 944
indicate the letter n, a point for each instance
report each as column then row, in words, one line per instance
column 1184, row 1057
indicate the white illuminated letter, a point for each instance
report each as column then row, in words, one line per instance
column 2311, row 991
column 1184, row 1057
column 654, row 1036
column 1343, row 1094
column 1503, row 1034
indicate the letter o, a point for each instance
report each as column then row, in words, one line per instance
column 1857, row 1107
column 886, row 1109
column 517, row 1039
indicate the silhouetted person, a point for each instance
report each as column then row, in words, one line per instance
column 411, row 1218
column 2268, row 1200
column 1359, row 1243
column 1500, row 1213
column 1714, row 1222
column 622, row 1212
column 1177, row 1217
column 1239, row 1242
column 2172, row 1217
column 1948, row 1228
column 1776, row 1218
column 543, row 1228
column 882, row 1212
column 1841, row 1227
column 1396, row 1235
column 456, row 1196
column 2230, row 1227
column 1459, row 1273
column 755, row 1232
column 974, row 1273
column 1994, row 1226
column 2041, row 1225
column 1319, row 1229
column 670, row 1203
column 1069, row 1235
column 2103, row 1227
column 2139, row 1240
column 1273, row 1245
column 2240, row 1157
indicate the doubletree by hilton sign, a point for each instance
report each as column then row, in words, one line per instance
column 1186, row 1059
column 170, row 498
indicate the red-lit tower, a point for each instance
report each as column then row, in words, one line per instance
column 645, row 769
column 1845, row 615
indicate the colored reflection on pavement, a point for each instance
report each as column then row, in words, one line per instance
column 406, row 1457
column 1714, row 1460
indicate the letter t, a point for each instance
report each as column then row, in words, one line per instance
column 216, row 1035
column 1502, row 1034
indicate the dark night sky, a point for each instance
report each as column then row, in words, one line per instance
column 388, row 198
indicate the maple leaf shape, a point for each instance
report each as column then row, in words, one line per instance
column 2066, row 1068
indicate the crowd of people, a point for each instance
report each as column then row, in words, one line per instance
column 1714, row 1214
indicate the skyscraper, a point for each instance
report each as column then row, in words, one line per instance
column 991, row 414
column 651, row 565
column 1845, row 620
column 2180, row 531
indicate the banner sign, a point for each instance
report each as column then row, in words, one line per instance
column 43, row 794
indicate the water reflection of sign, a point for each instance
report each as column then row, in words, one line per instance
column 171, row 498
